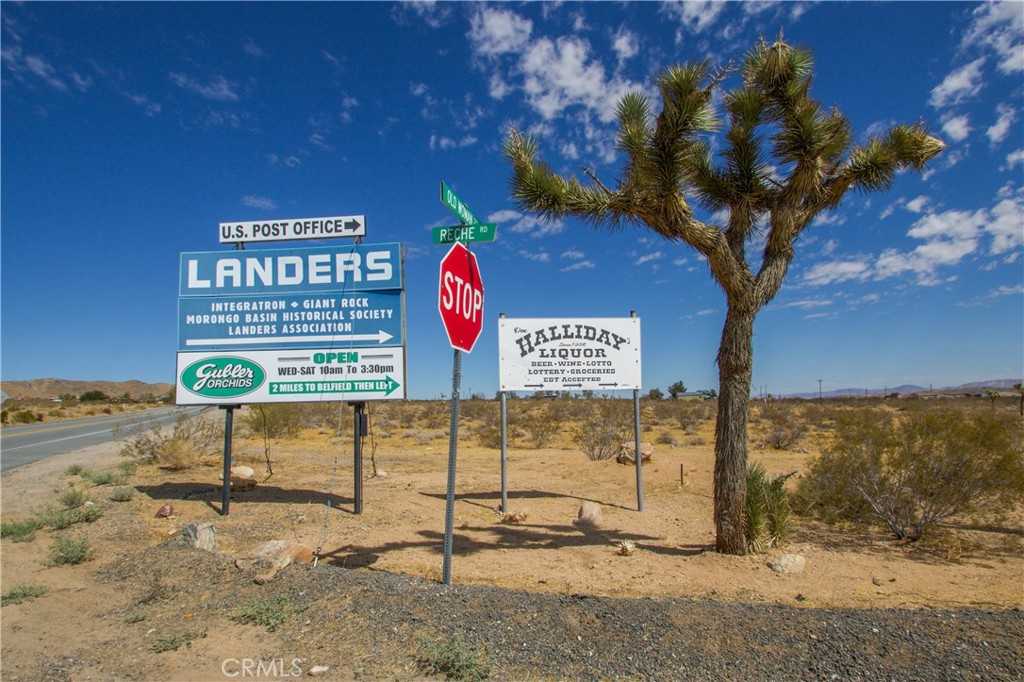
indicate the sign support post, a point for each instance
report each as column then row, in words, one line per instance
column 453, row 441
column 359, row 413
column 503, row 398
column 637, row 457
column 225, row 493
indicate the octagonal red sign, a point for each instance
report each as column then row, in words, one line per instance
column 460, row 297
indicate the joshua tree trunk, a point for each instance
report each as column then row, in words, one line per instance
column 735, row 359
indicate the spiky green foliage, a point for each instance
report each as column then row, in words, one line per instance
column 668, row 159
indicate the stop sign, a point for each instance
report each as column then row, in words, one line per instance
column 460, row 297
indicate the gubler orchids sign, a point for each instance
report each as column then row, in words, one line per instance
column 543, row 354
column 223, row 377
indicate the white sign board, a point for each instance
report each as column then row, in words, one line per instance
column 569, row 354
column 287, row 376
column 277, row 230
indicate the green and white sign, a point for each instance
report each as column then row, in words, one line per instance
column 456, row 205
column 285, row 376
column 479, row 232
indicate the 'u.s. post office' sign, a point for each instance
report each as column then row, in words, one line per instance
column 281, row 229
column 291, row 325
column 565, row 354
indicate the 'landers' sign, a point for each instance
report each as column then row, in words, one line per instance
column 569, row 354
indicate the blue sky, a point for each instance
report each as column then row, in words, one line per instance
column 131, row 130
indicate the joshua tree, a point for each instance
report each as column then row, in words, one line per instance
column 677, row 389
column 655, row 394
column 669, row 165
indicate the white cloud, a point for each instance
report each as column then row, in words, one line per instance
column 537, row 256
column 998, row 131
column 951, row 224
column 694, row 15
column 648, row 257
column 445, row 143
column 150, row 107
column 831, row 272
column 1015, row 157
column 497, row 87
column 218, row 88
column 999, row 26
column 679, row 261
column 829, row 247
column 418, row 89
column 433, row 13
column 569, row 150
column 887, row 211
column 573, row 254
column 1006, row 226
column 252, row 49
column 19, row 63
column 625, row 44
column 808, row 303
column 706, row 311
column 957, row 127
column 494, row 32
column 917, row 204
column 535, row 226
column 560, row 74
column 262, row 203
column 579, row 265
column 829, row 218
column 959, row 85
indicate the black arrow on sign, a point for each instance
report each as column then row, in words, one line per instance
column 352, row 225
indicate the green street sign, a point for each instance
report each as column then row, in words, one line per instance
column 387, row 386
column 481, row 232
column 456, row 205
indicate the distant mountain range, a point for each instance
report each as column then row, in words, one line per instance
column 53, row 388
column 907, row 389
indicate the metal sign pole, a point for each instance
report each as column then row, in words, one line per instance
column 637, row 456
column 358, row 411
column 453, row 441
column 503, row 398
column 225, row 493
column 504, row 452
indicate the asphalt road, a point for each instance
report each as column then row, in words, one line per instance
column 20, row 445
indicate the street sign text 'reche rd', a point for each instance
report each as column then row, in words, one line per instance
column 460, row 298
column 480, row 232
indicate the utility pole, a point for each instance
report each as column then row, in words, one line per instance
column 819, row 389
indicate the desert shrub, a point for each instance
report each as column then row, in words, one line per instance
column 276, row 421
column 601, row 434
column 20, row 593
column 24, row 417
column 767, row 509
column 453, row 659
column 93, row 396
column 99, row 477
column 177, row 448
column 73, row 497
column 785, row 436
column 916, row 471
column 175, row 641
column 663, row 410
column 542, row 425
column 478, row 409
column 20, row 531
column 122, row 494
column 69, row 551
column 690, row 415
column 127, row 468
column 666, row 438
column 74, row 470
column 270, row 612
column 3, row 416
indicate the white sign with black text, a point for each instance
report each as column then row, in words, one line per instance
column 569, row 354
column 328, row 227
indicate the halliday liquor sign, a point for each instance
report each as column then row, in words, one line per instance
column 561, row 354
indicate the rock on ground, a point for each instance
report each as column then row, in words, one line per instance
column 272, row 557
column 626, row 452
column 788, row 563
column 200, row 536
column 589, row 515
